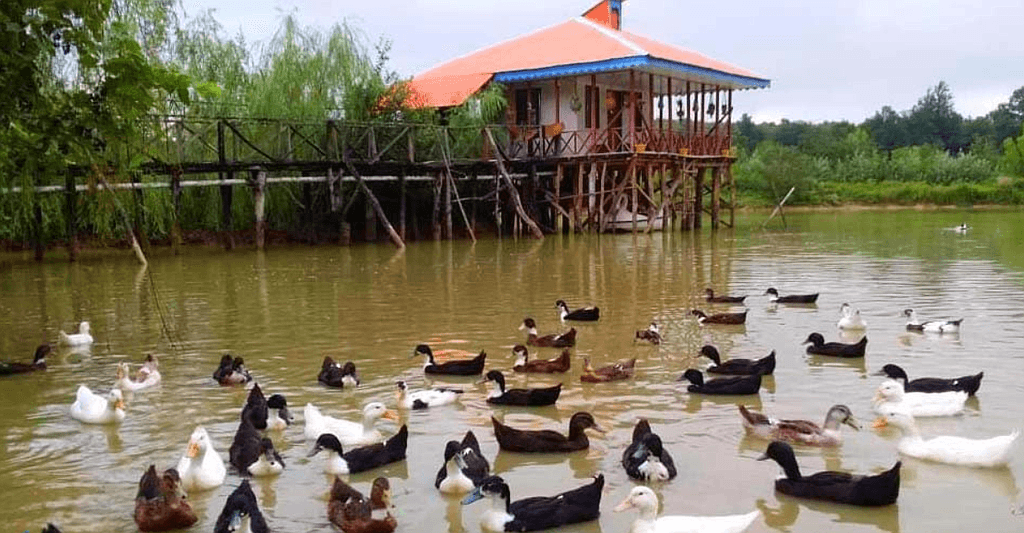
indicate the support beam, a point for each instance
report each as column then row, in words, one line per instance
column 376, row 205
column 401, row 204
column 716, row 179
column 259, row 183
column 534, row 229
column 176, row 240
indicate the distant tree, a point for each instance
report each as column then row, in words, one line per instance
column 888, row 128
column 825, row 140
column 788, row 133
column 1013, row 155
column 1008, row 117
column 751, row 133
column 933, row 120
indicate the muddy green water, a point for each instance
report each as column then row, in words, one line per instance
column 285, row 309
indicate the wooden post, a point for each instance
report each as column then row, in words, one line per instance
column 577, row 202
column 497, row 201
column 601, row 214
column 732, row 196
column 258, row 181
column 176, row 239
column 71, row 213
column 370, row 233
column 373, row 201
column 140, row 212
column 448, row 183
column 631, row 123
column 716, row 177
column 37, row 212
column 632, row 179
column 401, row 204
column 558, row 101
column 671, row 110
column 412, row 146
column 557, row 199
column 226, row 191
column 698, row 198
column 534, row 229
column 435, row 219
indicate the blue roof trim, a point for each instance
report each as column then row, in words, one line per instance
column 624, row 63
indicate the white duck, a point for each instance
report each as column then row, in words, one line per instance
column 82, row 338
column 644, row 499
column 425, row 398
column 348, row 433
column 891, row 396
column 851, row 319
column 92, row 408
column 991, row 452
column 201, row 468
column 147, row 376
column 931, row 326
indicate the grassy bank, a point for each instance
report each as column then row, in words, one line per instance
column 1002, row 191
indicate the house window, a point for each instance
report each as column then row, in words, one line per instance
column 528, row 106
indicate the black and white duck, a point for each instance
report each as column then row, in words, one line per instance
column 645, row 458
column 361, row 459
column 651, row 335
column 839, row 487
column 931, row 326
column 161, row 504
column 529, row 397
column 738, row 367
column 738, row 385
column 531, row 514
column 241, row 507
column 709, row 296
column 546, row 440
column 38, row 362
column 336, row 375
column 464, row 466
column 968, row 384
column 278, row 415
column 253, row 455
column 720, row 318
column 460, row 367
column 800, row 431
column 554, row 340
column 583, row 314
column 818, row 346
column 774, row 297
column 255, row 408
column 231, row 371
column 425, row 398
column 523, row 363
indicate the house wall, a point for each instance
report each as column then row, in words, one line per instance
column 577, row 86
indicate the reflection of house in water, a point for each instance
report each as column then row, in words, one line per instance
column 620, row 121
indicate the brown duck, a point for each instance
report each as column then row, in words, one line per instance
column 161, row 504
column 524, row 364
column 561, row 340
column 720, row 318
column 621, row 370
column 546, row 440
column 353, row 513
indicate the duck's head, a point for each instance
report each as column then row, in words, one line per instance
column 521, row 354
column 889, row 391
column 772, row 292
column 423, row 349
column 815, row 339
column 560, row 304
column 892, row 371
column 841, row 414
column 649, row 443
column 83, row 327
column 490, row 487
column 50, row 528
column 909, row 313
column 225, row 361
column 709, row 292
column 495, row 376
column 41, row 352
column 116, row 399
column 198, row 443
column 171, row 483
column 844, row 309
column 653, row 327
column 374, row 411
column 451, row 450
column 380, row 492
column 241, row 504
column 267, row 451
column 698, row 313
column 328, row 363
column 782, row 453
column 642, row 498
column 151, row 361
column 349, row 369
column 326, row 441
column 278, row 401
column 711, row 352
column 584, row 420
column 238, row 364
column 123, row 371
column 693, row 376
column 587, row 369
column 899, row 418
column 529, row 325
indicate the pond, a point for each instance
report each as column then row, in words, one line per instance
column 287, row 308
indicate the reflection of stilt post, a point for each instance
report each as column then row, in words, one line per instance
column 591, row 195
column 632, row 181
column 258, row 181
column 72, row 220
column 557, row 198
column 716, row 179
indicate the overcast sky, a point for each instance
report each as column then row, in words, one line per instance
column 826, row 60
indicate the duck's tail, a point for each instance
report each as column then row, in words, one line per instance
column 971, row 384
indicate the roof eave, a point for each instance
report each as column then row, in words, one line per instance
column 728, row 79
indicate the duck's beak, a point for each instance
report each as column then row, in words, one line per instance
column 119, row 404
column 285, row 415
column 880, row 422
column 878, row 397
column 763, row 457
column 625, row 505
column 477, row 494
column 390, row 414
column 193, row 450
column 852, row 422
column 236, row 521
column 314, row 451
column 598, row 428
column 522, row 327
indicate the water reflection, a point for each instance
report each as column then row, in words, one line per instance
column 781, row 518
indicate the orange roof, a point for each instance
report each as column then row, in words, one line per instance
column 574, row 47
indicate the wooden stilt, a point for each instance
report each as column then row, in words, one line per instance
column 71, row 215
column 633, row 184
column 401, row 204
column 376, row 205
column 226, row 191
column 534, row 229
column 448, row 184
column 258, row 179
column 371, row 223
column 601, row 213
column 435, row 219
column 497, row 203
column 577, row 207
column 176, row 240
column 716, row 177
column 698, row 198
column 557, row 198
column 37, row 213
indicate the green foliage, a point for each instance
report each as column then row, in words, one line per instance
column 772, row 169
column 1013, row 155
